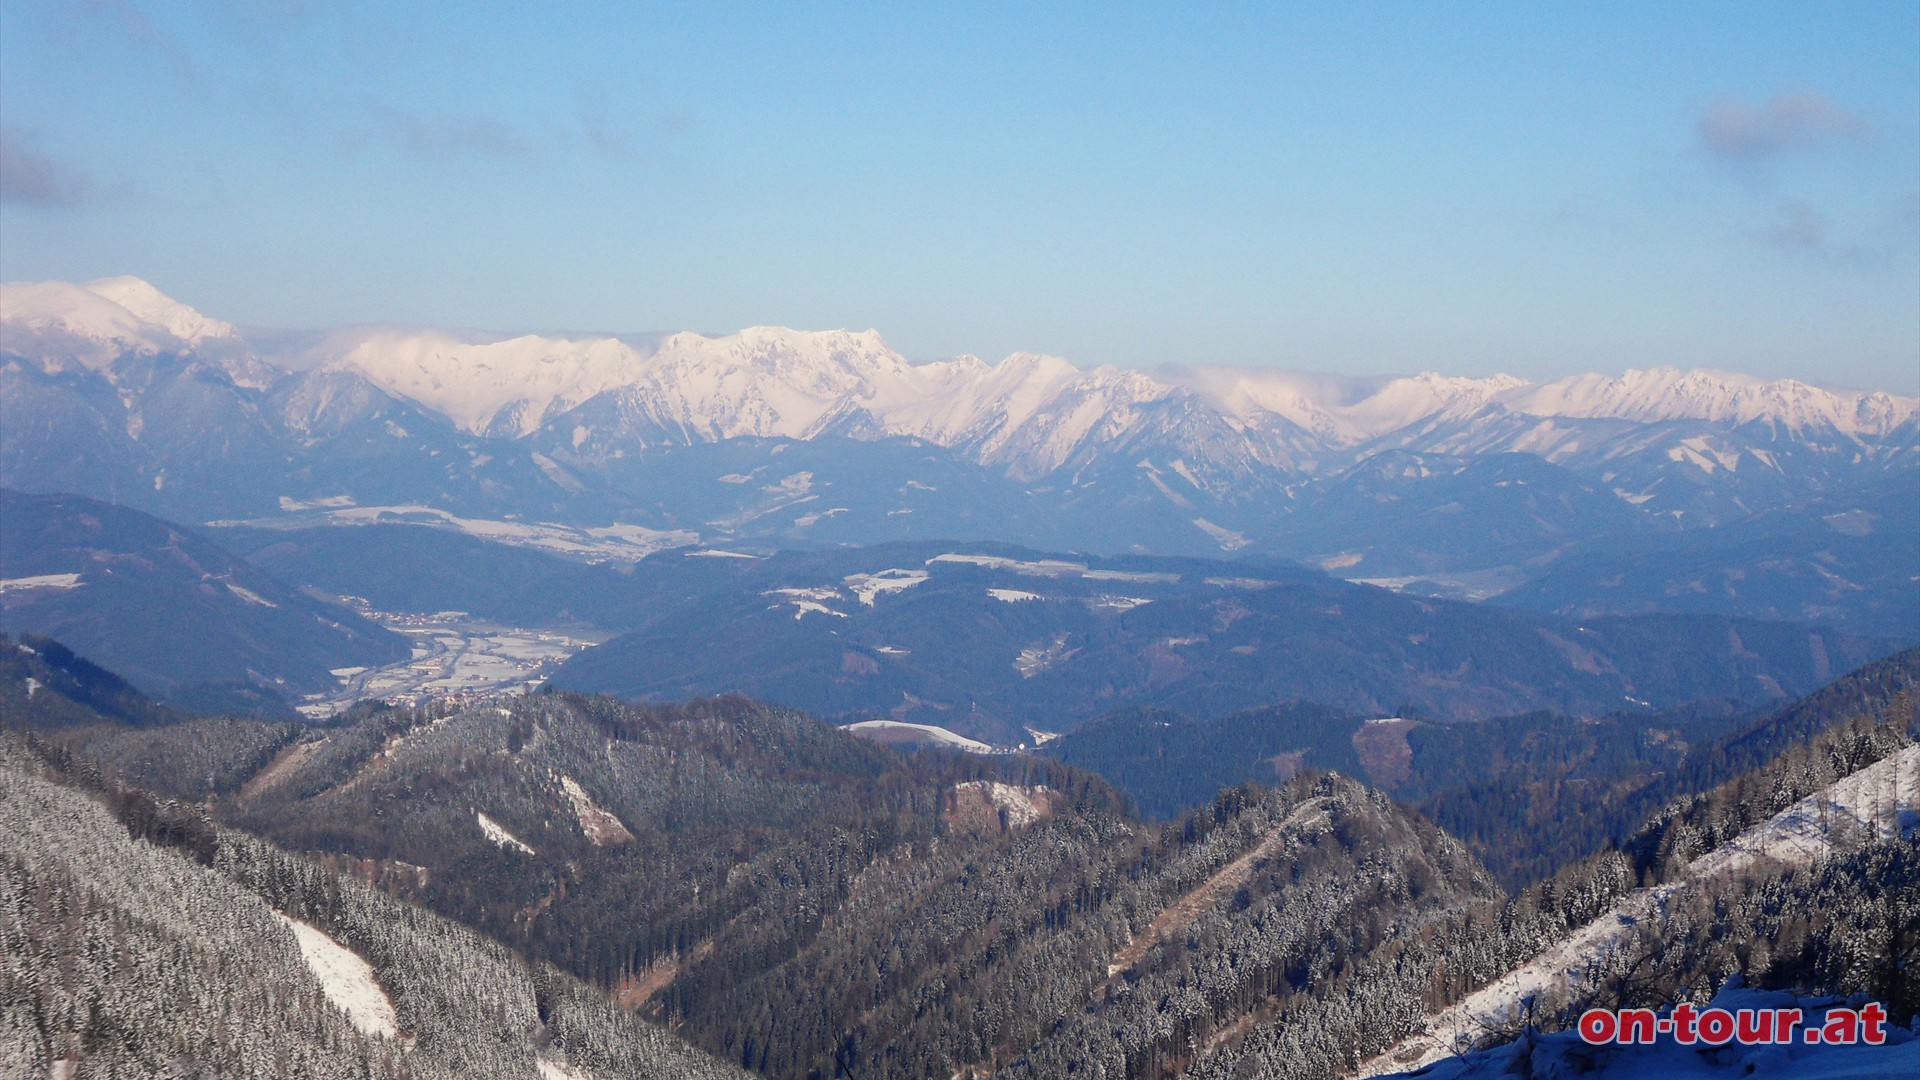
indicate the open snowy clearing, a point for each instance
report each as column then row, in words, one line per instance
column 40, row 581
column 868, row 586
column 880, row 729
column 611, row 543
column 347, row 981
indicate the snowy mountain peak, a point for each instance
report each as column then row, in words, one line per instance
column 1029, row 413
column 1341, row 411
column 58, row 322
column 159, row 309
column 473, row 382
column 1667, row 393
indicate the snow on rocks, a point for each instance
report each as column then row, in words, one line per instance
column 988, row 806
column 1022, row 806
column 347, row 980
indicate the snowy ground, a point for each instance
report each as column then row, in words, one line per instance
column 1883, row 799
column 611, row 543
column 1564, row 1055
column 347, row 981
column 453, row 653
column 900, row 731
column 40, row 581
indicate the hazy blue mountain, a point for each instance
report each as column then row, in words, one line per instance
column 184, row 619
column 988, row 641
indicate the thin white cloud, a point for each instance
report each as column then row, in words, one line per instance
column 1738, row 132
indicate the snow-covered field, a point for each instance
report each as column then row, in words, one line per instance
column 40, row 581
column 611, row 543
column 900, row 731
column 868, row 586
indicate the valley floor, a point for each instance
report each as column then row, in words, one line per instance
column 454, row 653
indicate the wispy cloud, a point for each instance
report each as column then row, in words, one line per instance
column 615, row 129
column 126, row 19
column 1802, row 231
column 452, row 137
column 1798, row 227
column 30, row 177
column 1734, row 131
column 595, row 128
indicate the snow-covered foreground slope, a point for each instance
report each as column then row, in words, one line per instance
column 1564, row 1055
column 126, row 956
column 1880, row 800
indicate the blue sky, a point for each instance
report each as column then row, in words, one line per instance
column 1470, row 188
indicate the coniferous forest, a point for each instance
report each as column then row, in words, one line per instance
column 564, row 882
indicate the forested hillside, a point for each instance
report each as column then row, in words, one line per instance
column 803, row 903
column 1528, row 793
column 138, row 938
column 169, row 611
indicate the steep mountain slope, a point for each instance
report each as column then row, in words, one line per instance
column 1564, row 1053
column 1732, row 875
column 185, row 619
column 142, row 940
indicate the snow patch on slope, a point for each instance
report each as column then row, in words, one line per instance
column 881, row 729
column 600, row 826
column 40, row 581
column 493, row 831
column 347, row 980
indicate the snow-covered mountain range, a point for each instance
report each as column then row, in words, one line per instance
column 1195, row 456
